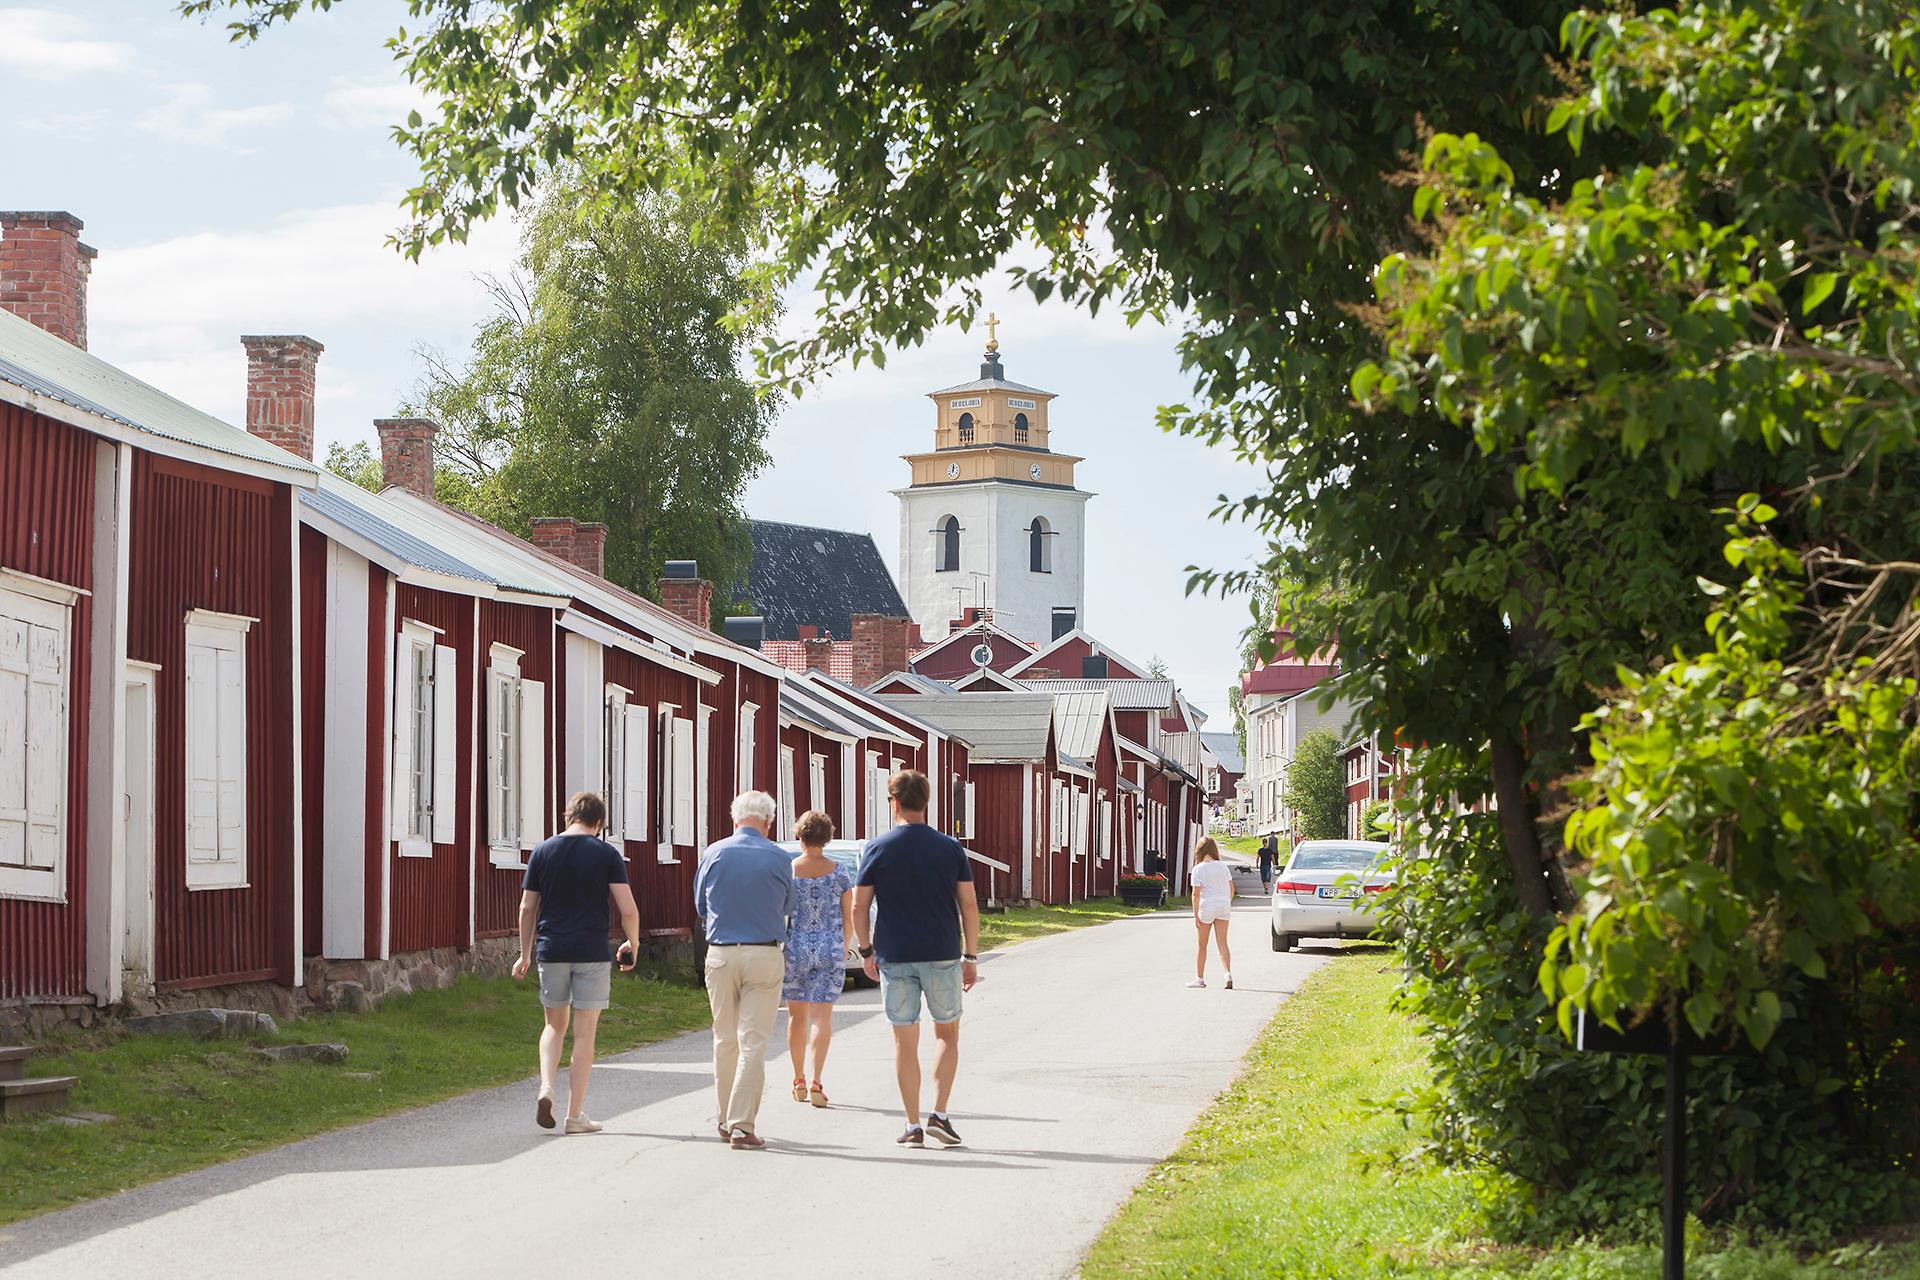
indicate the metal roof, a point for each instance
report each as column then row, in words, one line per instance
column 1078, row 721
column 846, row 700
column 366, row 514
column 1226, row 749
column 925, row 684
column 1095, row 647
column 999, row 726
column 1128, row 695
column 472, row 541
column 48, row 367
column 990, row 384
column 797, row 703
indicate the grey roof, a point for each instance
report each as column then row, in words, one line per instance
column 926, row 684
column 844, row 701
column 336, row 500
column 999, row 726
column 800, row 703
column 1078, row 721
column 801, row 575
column 36, row 361
column 1128, row 695
column 991, row 384
column 1226, row 749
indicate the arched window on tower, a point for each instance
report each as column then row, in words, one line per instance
column 1019, row 428
column 966, row 428
column 946, row 547
column 1040, row 546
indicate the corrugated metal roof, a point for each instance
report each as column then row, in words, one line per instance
column 845, row 701
column 795, row 705
column 366, row 514
column 1078, row 721
column 1128, row 695
column 1000, row 726
column 36, row 361
column 473, row 542
column 925, row 684
column 1226, row 749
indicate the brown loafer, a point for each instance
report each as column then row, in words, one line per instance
column 726, row 1134
column 746, row 1140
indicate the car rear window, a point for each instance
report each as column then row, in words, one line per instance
column 1337, row 858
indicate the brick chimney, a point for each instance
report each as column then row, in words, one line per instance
column 553, row 535
column 280, row 378
column 879, row 647
column 43, row 271
column 684, row 592
column 816, row 653
column 406, row 453
column 583, row 545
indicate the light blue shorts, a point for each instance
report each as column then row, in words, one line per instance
column 902, row 985
column 579, row 986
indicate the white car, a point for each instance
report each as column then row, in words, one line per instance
column 847, row 853
column 1324, row 891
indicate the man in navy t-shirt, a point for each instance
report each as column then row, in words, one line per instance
column 563, row 904
column 922, row 946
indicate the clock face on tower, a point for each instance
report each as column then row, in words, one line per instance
column 1034, row 471
column 953, row 470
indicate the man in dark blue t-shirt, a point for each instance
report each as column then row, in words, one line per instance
column 563, row 904
column 921, row 947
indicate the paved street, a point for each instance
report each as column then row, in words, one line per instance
column 1084, row 1060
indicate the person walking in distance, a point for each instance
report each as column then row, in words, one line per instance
column 744, row 894
column 1269, row 854
column 816, row 952
column 563, row 926
column 922, row 948
column 1212, row 908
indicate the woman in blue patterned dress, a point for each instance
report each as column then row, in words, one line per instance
column 816, row 951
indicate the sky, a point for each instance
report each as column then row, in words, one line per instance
column 251, row 189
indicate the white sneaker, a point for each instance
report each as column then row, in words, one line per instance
column 580, row 1124
column 1198, row 982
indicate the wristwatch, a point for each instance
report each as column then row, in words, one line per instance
column 970, row 959
column 866, row 953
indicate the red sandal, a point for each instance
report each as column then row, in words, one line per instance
column 799, row 1088
column 818, row 1096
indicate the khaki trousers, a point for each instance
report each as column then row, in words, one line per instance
column 743, row 989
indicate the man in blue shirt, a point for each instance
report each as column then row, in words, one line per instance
column 922, row 946
column 563, row 903
column 744, row 893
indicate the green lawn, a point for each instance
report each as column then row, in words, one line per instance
column 180, row 1104
column 1018, row 924
column 1293, row 1173
column 1249, row 846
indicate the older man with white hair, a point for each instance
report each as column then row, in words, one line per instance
column 744, row 894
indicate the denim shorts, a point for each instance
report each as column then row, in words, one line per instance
column 903, row 984
column 581, row 986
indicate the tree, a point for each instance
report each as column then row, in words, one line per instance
column 607, row 386
column 1317, row 788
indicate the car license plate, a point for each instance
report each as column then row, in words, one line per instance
column 1334, row 891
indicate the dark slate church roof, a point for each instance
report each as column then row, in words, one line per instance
column 804, row 576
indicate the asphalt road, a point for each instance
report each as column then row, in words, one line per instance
column 1084, row 1060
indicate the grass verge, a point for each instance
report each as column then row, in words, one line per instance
column 178, row 1104
column 1292, row 1172
column 1019, row 924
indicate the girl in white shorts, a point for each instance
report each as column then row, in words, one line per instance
column 1212, row 908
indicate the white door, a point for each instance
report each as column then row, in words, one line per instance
column 136, row 826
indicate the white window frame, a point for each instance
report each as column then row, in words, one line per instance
column 817, row 782
column 748, row 741
column 505, row 744
column 218, row 633
column 423, row 791
column 703, row 770
column 784, row 813
column 613, row 744
column 39, row 603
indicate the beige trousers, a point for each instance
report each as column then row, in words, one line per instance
column 743, row 988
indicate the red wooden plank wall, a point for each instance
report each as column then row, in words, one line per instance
column 429, row 907
column 530, row 629
column 663, row 891
column 46, row 516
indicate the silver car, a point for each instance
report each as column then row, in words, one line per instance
column 1325, row 890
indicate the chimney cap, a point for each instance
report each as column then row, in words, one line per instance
column 748, row 630
column 278, row 339
column 681, row 569
column 428, row 423
column 59, row 216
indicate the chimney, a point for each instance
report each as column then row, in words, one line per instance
column 1093, row 667
column 553, row 535
column 280, row 379
column 879, row 647
column 808, row 631
column 43, row 271
column 684, row 592
column 816, row 653
column 406, row 453
column 747, row 632
column 1064, row 620
column 590, row 547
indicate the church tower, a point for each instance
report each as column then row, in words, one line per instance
column 992, row 518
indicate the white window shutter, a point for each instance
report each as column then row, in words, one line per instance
column 203, row 754
column 446, row 720
column 400, row 794
column 684, row 778
column 701, row 779
column 16, row 741
column 785, row 810
column 233, row 754
column 971, row 833
column 46, row 746
column 533, row 763
column 817, row 783
column 498, row 693
column 664, row 732
column 633, row 789
column 747, row 747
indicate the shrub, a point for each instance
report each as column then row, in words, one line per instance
column 1317, row 788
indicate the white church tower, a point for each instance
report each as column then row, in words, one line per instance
column 992, row 519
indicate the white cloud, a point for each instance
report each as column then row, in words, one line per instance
column 47, row 45
column 374, row 100
column 187, row 115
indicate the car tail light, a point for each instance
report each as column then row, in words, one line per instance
column 1375, row 888
column 1291, row 886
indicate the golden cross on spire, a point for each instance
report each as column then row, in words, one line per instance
column 993, row 322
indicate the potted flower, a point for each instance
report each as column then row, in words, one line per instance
column 1143, row 890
